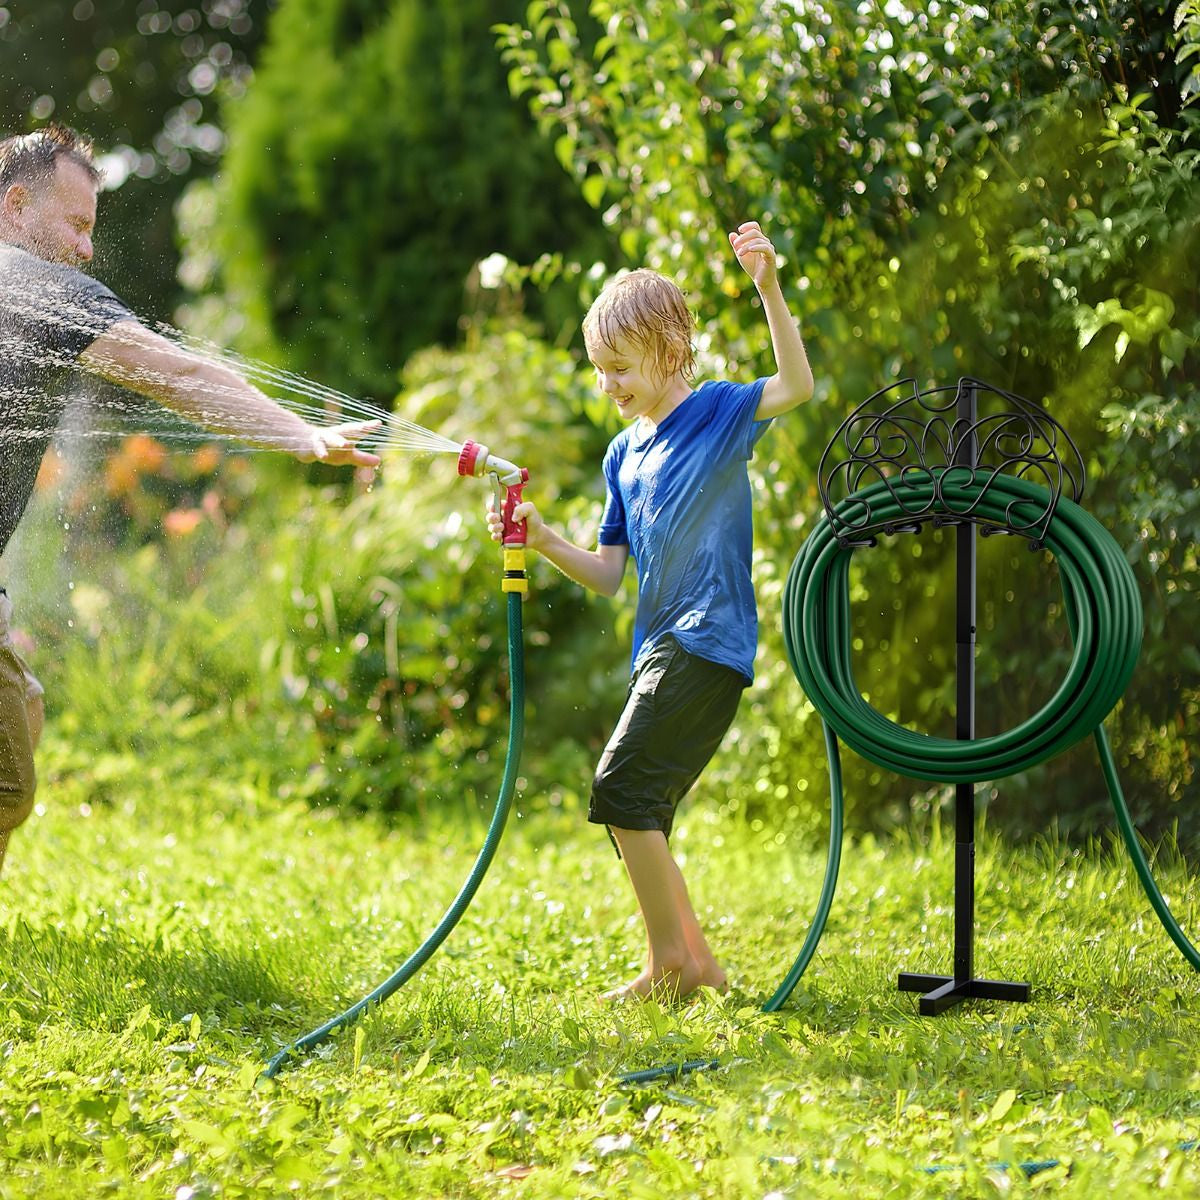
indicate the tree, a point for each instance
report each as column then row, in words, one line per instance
column 376, row 160
column 142, row 78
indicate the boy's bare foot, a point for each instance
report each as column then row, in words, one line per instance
column 670, row 986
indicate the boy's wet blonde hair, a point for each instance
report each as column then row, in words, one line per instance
column 647, row 310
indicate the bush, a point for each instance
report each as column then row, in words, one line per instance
column 1006, row 194
column 377, row 158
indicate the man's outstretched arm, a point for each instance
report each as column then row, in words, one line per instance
column 216, row 397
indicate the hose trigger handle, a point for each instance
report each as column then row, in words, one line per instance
column 514, row 532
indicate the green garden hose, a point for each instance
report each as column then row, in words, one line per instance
column 829, row 884
column 1105, row 615
column 292, row 1054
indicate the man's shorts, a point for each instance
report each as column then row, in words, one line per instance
column 677, row 711
column 17, row 687
column 33, row 685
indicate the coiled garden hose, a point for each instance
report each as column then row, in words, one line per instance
column 292, row 1054
column 1105, row 617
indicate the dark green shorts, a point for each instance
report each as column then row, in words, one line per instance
column 677, row 711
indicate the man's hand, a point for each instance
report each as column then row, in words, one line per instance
column 337, row 445
column 756, row 254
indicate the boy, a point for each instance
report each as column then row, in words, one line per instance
column 678, row 500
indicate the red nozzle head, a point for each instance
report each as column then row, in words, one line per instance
column 469, row 457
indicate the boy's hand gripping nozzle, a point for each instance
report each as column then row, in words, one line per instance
column 475, row 459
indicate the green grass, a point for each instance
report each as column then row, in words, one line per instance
column 157, row 948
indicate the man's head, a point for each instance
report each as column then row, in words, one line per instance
column 48, row 186
column 644, row 312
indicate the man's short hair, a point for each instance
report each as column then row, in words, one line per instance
column 32, row 158
column 649, row 311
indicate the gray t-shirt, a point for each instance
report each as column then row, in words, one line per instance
column 49, row 314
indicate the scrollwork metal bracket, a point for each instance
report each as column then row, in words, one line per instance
column 903, row 435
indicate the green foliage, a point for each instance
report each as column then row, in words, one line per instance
column 1010, row 198
column 1187, row 44
column 1009, row 194
column 376, row 160
column 139, row 1003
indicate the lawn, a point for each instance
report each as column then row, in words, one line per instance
column 159, row 946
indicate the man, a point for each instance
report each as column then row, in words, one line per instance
column 55, row 320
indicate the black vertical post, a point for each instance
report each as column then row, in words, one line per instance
column 964, row 720
column 944, row 991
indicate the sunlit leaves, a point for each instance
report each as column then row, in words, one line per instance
column 953, row 190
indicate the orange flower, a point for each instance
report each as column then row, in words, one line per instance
column 206, row 458
column 179, row 522
column 52, row 470
column 144, row 452
column 120, row 475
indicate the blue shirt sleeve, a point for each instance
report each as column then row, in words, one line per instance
column 733, row 430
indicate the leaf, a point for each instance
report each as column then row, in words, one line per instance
column 139, row 1018
column 593, row 189
column 209, row 1135
column 580, row 1077
column 1003, row 1103
column 1174, row 345
column 116, row 1153
column 248, row 1076
column 294, row 1167
column 564, row 151
column 1050, row 1175
column 286, row 1120
column 1100, row 1123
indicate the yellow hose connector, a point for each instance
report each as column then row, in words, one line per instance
column 514, row 570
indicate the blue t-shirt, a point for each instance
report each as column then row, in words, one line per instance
column 679, row 497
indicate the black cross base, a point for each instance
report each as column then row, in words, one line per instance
column 944, row 991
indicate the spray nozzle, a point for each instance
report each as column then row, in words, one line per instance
column 475, row 459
